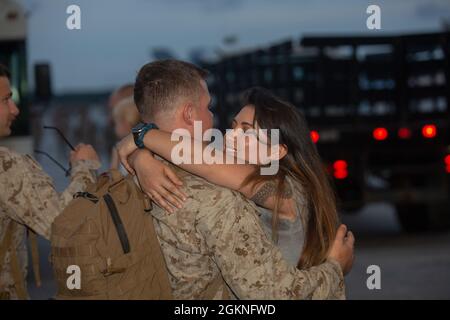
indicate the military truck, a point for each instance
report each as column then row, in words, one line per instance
column 378, row 108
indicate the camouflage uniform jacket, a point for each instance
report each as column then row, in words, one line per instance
column 219, row 231
column 28, row 199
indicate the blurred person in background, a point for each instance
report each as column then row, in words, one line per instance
column 28, row 198
column 118, row 95
column 125, row 116
column 123, row 92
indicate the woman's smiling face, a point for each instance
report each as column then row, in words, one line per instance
column 253, row 140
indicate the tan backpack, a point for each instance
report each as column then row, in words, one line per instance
column 108, row 233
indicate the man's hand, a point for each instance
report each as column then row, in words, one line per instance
column 342, row 249
column 125, row 148
column 83, row 152
column 157, row 180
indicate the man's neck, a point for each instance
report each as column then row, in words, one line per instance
column 168, row 125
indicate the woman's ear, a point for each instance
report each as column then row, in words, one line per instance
column 278, row 152
column 283, row 151
column 187, row 114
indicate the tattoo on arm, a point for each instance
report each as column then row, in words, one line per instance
column 269, row 189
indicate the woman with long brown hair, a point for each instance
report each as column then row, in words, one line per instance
column 296, row 204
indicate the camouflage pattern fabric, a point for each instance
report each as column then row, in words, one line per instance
column 28, row 197
column 218, row 230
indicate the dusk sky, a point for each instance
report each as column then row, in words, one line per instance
column 118, row 36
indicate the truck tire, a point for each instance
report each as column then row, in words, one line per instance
column 424, row 217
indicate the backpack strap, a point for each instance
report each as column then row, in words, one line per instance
column 6, row 246
column 120, row 228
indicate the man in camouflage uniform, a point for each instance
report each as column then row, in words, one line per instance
column 28, row 198
column 217, row 233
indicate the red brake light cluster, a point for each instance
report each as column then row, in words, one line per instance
column 340, row 169
column 429, row 131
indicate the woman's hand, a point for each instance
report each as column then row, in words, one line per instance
column 125, row 147
column 342, row 249
column 158, row 181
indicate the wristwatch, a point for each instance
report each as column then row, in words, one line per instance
column 139, row 132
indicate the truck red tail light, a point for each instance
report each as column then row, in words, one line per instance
column 447, row 163
column 429, row 131
column 380, row 134
column 315, row 136
column 404, row 133
column 340, row 169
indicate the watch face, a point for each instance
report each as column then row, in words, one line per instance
column 138, row 128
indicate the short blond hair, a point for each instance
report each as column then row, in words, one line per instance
column 161, row 83
column 126, row 110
